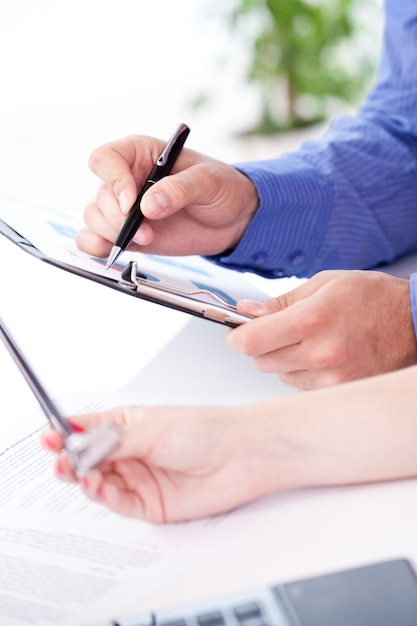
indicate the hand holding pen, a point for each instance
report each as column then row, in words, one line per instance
column 203, row 208
column 162, row 167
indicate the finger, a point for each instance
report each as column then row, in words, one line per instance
column 83, row 422
column 114, row 162
column 103, row 220
column 307, row 380
column 128, row 419
column 51, row 440
column 264, row 334
column 105, row 209
column 281, row 302
column 90, row 242
column 135, row 491
column 285, row 300
column 301, row 380
column 112, row 489
column 326, row 354
column 108, row 204
column 136, row 437
column 292, row 358
column 54, row 442
column 191, row 186
column 123, row 502
column 91, row 483
column 64, row 470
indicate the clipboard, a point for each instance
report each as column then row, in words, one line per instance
column 189, row 284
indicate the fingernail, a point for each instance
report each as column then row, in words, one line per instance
column 85, row 482
column 100, row 493
column 58, row 467
column 156, row 203
column 124, row 202
column 76, row 427
column 252, row 307
column 50, row 444
column 140, row 238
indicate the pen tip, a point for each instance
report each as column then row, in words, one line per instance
column 115, row 252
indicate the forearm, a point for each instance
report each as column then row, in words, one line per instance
column 346, row 201
column 354, row 433
column 413, row 300
column 186, row 462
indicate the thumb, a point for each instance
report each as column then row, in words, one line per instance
column 259, row 309
column 281, row 302
column 136, row 432
column 176, row 192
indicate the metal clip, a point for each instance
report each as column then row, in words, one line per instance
column 134, row 279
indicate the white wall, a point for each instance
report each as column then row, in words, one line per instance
column 77, row 73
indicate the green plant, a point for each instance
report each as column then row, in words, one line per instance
column 305, row 56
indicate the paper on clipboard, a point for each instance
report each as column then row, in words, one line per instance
column 190, row 284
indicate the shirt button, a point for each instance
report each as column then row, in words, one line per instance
column 278, row 273
column 296, row 258
column 259, row 258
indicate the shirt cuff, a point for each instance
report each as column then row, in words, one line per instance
column 284, row 235
column 413, row 300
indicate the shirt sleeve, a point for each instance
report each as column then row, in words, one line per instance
column 413, row 300
column 348, row 200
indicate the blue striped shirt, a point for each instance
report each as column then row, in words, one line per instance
column 348, row 200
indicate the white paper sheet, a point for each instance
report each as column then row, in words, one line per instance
column 64, row 560
column 53, row 233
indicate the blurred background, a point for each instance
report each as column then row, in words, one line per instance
column 252, row 78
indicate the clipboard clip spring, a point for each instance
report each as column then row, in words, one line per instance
column 133, row 279
column 130, row 276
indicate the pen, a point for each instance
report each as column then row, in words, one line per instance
column 34, row 383
column 86, row 450
column 162, row 167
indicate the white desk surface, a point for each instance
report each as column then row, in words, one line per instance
column 353, row 525
column 60, row 322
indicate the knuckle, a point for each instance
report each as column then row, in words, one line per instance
column 329, row 356
column 246, row 343
column 175, row 191
column 90, row 211
column 301, row 380
column 208, row 171
column 308, row 380
column 331, row 378
column 96, row 159
column 282, row 301
column 313, row 322
column 261, row 365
